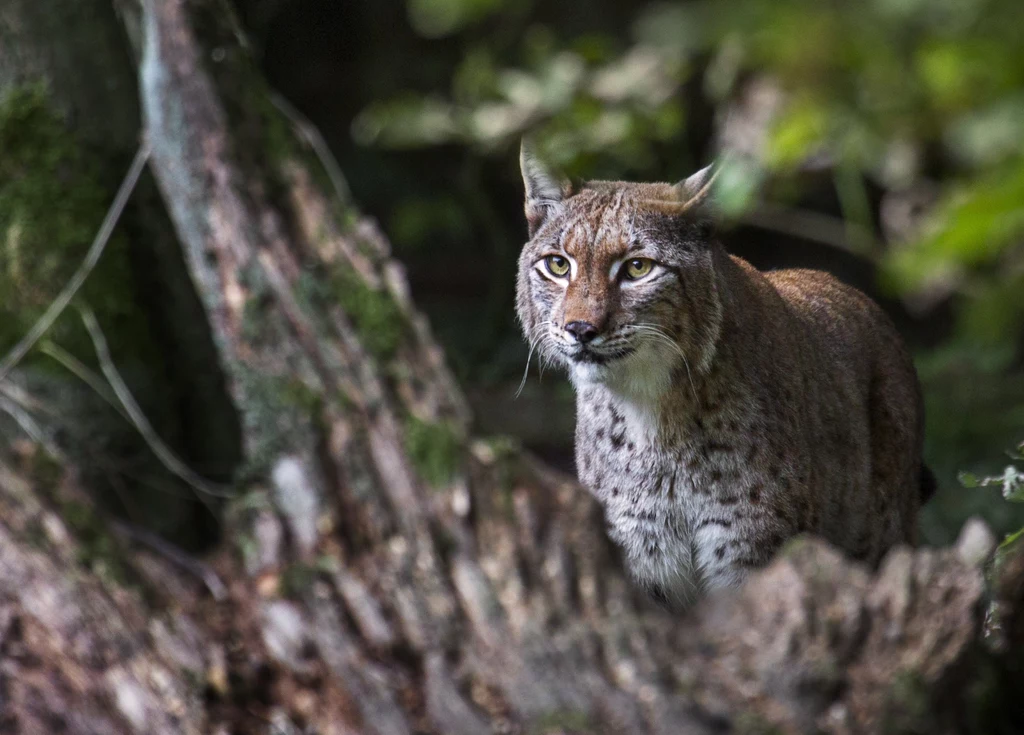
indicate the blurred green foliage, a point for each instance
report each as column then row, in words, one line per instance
column 1010, row 480
column 884, row 98
column 894, row 91
column 434, row 449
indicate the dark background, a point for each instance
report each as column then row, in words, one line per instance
column 881, row 140
column 859, row 129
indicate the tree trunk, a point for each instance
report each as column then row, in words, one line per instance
column 381, row 570
column 69, row 123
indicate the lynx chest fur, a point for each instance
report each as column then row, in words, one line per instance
column 720, row 410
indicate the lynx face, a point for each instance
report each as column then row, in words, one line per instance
column 617, row 281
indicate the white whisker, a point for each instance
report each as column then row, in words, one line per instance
column 544, row 335
column 661, row 336
column 526, row 372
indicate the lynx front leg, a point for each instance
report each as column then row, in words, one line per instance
column 728, row 550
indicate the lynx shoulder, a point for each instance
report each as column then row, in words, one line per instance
column 720, row 410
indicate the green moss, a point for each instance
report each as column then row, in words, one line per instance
column 795, row 545
column 562, row 721
column 305, row 399
column 908, row 705
column 278, row 139
column 446, row 543
column 254, row 317
column 344, row 402
column 98, row 551
column 505, row 452
column 45, row 472
column 434, row 448
column 52, row 201
column 248, row 548
column 297, row 580
column 238, row 518
column 380, row 322
column 264, row 134
column 1011, row 547
column 280, row 412
column 989, row 695
column 35, row 535
column 751, row 723
column 244, row 88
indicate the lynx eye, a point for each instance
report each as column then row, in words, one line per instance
column 557, row 265
column 638, row 268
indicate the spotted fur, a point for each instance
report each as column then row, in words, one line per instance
column 720, row 410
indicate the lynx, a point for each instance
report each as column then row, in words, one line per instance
column 720, row 410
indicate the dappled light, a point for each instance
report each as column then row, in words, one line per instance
column 357, row 375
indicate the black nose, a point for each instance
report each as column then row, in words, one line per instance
column 582, row 331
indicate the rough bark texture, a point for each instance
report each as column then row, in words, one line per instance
column 382, row 570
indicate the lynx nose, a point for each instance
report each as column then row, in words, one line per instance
column 582, row 332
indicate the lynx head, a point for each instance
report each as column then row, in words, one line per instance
column 617, row 282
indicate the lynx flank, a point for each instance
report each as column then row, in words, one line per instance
column 720, row 410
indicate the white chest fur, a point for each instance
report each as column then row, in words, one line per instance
column 646, row 490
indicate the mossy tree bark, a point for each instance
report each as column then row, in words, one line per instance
column 69, row 124
column 381, row 570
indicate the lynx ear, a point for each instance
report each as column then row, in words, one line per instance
column 693, row 191
column 544, row 190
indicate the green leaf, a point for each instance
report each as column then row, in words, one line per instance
column 797, row 134
column 737, row 183
column 407, row 122
column 973, row 225
column 990, row 135
column 1013, row 484
column 968, row 479
column 437, row 18
column 1012, row 539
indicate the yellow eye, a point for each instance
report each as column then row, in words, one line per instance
column 638, row 268
column 556, row 265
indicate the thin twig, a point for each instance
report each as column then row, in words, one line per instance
column 25, row 399
column 28, row 424
column 120, row 489
column 173, row 554
column 806, row 225
column 91, row 258
column 21, row 406
column 77, row 368
column 316, row 141
column 102, row 389
column 138, row 419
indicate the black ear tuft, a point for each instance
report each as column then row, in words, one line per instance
column 544, row 190
column 694, row 190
